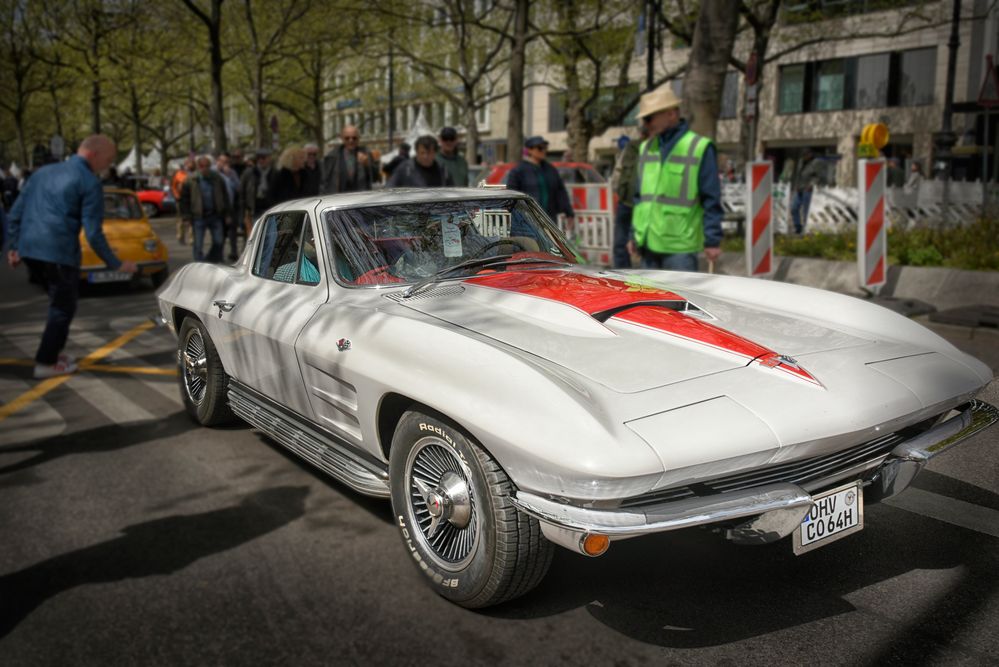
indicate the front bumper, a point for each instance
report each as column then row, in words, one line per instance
column 145, row 268
column 770, row 512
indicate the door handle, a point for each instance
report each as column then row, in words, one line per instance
column 224, row 307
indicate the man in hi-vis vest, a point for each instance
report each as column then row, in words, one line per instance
column 678, row 195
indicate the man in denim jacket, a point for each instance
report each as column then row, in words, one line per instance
column 44, row 227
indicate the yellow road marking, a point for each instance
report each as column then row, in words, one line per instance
column 48, row 385
column 104, row 368
column 141, row 370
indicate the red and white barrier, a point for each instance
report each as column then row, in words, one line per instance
column 872, row 242
column 760, row 229
column 592, row 197
column 593, row 233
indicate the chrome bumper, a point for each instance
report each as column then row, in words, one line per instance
column 774, row 511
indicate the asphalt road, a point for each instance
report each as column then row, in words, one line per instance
column 128, row 535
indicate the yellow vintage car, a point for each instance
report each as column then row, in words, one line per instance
column 130, row 235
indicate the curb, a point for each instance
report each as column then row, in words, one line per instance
column 940, row 287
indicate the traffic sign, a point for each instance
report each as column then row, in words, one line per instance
column 989, row 94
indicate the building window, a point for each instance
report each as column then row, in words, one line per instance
column 917, row 77
column 556, row 112
column 873, row 76
column 830, row 86
column 791, row 89
column 903, row 78
column 730, row 96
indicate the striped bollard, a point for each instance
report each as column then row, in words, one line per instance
column 872, row 242
column 760, row 230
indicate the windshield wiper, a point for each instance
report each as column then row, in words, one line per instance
column 477, row 262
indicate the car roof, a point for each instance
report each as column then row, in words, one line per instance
column 399, row 196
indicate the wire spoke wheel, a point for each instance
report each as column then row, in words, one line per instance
column 194, row 359
column 441, row 498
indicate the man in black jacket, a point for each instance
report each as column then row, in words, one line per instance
column 204, row 202
column 537, row 177
column 422, row 171
column 349, row 166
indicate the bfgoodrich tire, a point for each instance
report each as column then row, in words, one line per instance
column 452, row 506
column 203, row 382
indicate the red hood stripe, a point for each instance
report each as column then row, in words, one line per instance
column 587, row 293
column 594, row 295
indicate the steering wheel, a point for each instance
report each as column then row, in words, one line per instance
column 495, row 244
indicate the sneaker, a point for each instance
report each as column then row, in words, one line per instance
column 66, row 359
column 43, row 371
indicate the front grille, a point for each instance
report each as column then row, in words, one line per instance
column 795, row 472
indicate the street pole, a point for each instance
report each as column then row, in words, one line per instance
column 391, row 96
column 945, row 139
column 650, row 28
column 985, row 165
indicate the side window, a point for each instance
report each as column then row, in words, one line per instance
column 287, row 251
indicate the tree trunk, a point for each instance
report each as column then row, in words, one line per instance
column 317, row 101
column 22, row 145
column 576, row 128
column 136, row 129
column 260, row 128
column 56, row 109
column 714, row 37
column 218, row 113
column 472, row 136
column 518, row 58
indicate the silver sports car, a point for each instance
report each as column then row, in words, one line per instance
column 446, row 349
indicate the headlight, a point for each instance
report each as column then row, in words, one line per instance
column 150, row 245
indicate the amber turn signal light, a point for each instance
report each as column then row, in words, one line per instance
column 595, row 544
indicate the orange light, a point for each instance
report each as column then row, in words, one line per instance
column 595, row 544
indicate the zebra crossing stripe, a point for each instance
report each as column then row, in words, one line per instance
column 46, row 386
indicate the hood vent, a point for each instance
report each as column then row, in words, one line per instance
column 679, row 305
column 426, row 295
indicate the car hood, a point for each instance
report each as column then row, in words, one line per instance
column 626, row 335
column 119, row 230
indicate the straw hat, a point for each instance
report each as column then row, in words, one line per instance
column 658, row 100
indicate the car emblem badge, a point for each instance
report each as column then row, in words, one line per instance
column 343, row 344
column 783, row 362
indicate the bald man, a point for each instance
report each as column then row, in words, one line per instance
column 44, row 227
column 348, row 167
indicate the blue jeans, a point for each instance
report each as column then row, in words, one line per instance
column 681, row 261
column 63, row 285
column 214, row 226
column 799, row 209
column 622, row 232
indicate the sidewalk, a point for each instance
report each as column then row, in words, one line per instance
column 942, row 288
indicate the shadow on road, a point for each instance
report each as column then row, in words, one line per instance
column 157, row 547
column 691, row 590
column 109, row 438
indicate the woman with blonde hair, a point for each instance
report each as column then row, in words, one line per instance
column 289, row 180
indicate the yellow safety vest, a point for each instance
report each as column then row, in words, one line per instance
column 669, row 217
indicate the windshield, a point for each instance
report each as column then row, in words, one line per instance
column 408, row 243
column 121, row 206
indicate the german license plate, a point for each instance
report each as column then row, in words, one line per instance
column 835, row 514
column 109, row 276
